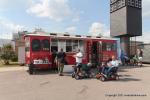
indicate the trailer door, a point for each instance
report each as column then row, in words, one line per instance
column 96, row 53
column 99, row 49
column 89, row 50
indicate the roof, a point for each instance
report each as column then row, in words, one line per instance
column 64, row 35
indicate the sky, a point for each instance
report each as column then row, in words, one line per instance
column 84, row 17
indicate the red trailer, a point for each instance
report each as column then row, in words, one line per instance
column 39, row 49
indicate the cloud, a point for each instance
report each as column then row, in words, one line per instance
column 146, row 7
column 8, row 27
column 5, row 23
column 56, row 10
column 98, row 29
column 76, row 19
column 71, row 29
column 76, row 15
column 7, row 5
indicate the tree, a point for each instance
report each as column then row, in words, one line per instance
column 7, row 53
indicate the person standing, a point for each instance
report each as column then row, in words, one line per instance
column 54, row 54
column 122, row 57
column 61, row 61
column 79, row 57
column 140, row 56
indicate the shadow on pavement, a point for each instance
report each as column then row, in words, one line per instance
column 128, row 79
column 130, row 67
column 125, row 75
column 122, row 70
column 44, row 72
column 67, row 73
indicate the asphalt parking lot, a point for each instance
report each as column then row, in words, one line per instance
column 17, row 84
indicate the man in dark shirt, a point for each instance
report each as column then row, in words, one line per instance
column 61, row 61
column 54, row 54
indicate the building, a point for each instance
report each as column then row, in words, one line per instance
column 126, row 18
column 125, row 21
column 146, row 52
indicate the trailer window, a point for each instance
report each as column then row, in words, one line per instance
column 54, row 45
column 114, row 46
column 68, row 46
column 75, row 45
column 81, row 46
column 27, row 45
column 109, row 46
column 36, row 45
column 62, row 45
column 46, row 45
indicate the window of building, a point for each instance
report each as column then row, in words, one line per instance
column 113, row 1
column 130, row 2
column 123, row 3
column 115, row 6
column 111, row 8
column 36, row 45
column 139, row 4
column 119, row 4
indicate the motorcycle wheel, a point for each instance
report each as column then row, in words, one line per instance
column 73, row 75
column 102, row 78
column 77, row 77
column 117, row 77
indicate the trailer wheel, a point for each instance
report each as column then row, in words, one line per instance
column 31, row 69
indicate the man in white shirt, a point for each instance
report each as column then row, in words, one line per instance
column 79, row 57
column 112, row 64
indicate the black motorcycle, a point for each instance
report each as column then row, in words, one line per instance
column 84, row 72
